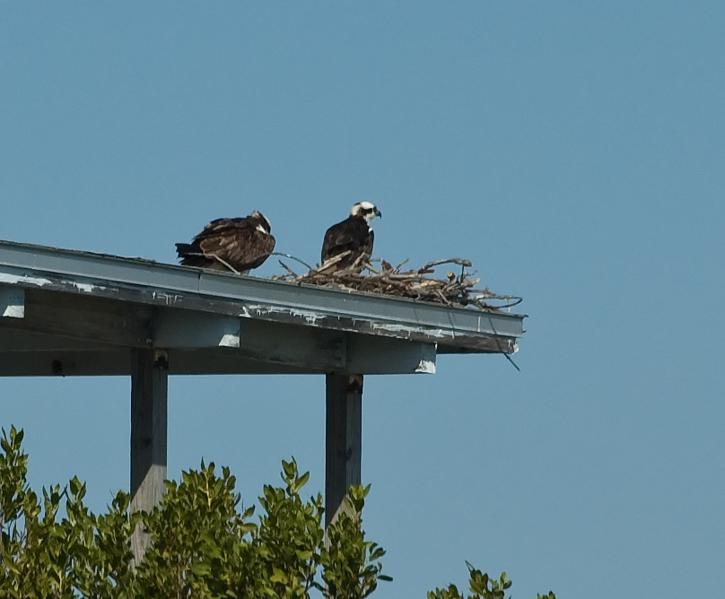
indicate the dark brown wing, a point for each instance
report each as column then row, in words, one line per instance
column 236, row 241
column 351, row 234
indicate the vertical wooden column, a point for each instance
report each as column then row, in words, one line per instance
column 343, row 451
column 149, row 383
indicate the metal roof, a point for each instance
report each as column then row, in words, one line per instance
column 102, row 303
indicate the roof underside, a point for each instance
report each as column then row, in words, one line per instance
column 67, row 312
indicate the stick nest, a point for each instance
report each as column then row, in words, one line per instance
column 380, row 276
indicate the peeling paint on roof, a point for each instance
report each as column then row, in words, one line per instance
column 24, row 279
column 400, row 328
column 84, row 287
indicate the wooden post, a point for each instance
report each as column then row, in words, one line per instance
column 343, row 451
column 149, row 382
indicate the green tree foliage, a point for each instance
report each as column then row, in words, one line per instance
column 44, row 556
column 204, row 543
column 481, row 586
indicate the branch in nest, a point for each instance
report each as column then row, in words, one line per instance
column 460, row 261
column 327, row 264
column 415, row 284
column 288, row 269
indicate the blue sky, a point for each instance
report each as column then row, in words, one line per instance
column 573, row 150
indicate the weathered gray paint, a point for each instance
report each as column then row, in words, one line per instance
column 77, row 335
column 343, row 449
column 104, row 362
column 145, row 282
column 149, row 383
column 118, row 323
column 91, row 319
column 379, row 355
column 40, row 356
column 13, row 339
column 185, row 329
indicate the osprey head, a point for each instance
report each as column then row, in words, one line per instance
column 260, row 222
column 366, row 210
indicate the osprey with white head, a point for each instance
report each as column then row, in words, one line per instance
column 366, row 210
column 353, row 236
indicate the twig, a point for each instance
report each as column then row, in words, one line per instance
column 288, row 269
column 291, row 257
column 459, row 261
column 217, row 258
column 327, row 264
column 501, row 350
column 224, row 262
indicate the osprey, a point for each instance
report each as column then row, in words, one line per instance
column 354, row 234
column 237, row 244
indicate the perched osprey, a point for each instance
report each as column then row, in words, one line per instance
column 237, row 244
column 354, row 234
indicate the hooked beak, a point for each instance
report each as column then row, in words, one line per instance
column 379, row 214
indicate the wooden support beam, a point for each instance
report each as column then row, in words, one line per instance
column 21, row 340
column 201, row 343
column 149, row 383
column 293, row 345
column 86, row 318
column 381, row 355
column 185, row 329
column 343, row 450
